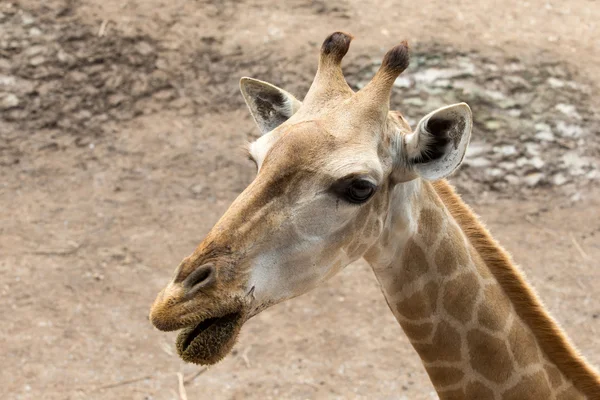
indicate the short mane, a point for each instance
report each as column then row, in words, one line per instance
column 549, row 335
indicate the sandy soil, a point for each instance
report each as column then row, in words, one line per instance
column 122, row 150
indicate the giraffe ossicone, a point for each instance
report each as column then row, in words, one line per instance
column 339, row 177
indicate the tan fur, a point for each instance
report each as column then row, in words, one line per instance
column 547, row 332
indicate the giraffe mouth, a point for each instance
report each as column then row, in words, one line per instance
column 208, row 341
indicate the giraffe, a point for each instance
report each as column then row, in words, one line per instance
column 341, row 177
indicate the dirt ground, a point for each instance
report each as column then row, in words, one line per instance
column 120, row 133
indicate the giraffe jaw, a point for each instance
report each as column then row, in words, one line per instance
column 208, row 341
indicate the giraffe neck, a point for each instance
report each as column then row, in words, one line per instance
column 474, row 321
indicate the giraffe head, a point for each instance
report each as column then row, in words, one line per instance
column 326, row 170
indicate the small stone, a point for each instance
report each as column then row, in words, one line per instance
column 478, row 148
column 197, row 189
column 37, row 60
column 532, row 149
column 542, row 127
column 164, row 95
column 506, row 150
column 559, row 179
column 400, row 82
column 522, row 161
column 512, row 180
column 533, row 179
column 537, row 162
column 27, row 19
column 65, row 57
column 35, row 32
column 35, row 51
column 6, row 80
column 478, row 162
column 508, row 166
column 414, row 101
column 144, row 48
column 494, row 95
column 494, row 172
column 569, row 110
column 545, row 136
column 568, row 130
column 574, row 163
column 555, row 83
column 8, row 101
column 493, row 125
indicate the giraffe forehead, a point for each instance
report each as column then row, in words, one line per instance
column 310, row 146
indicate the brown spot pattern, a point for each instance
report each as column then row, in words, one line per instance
column 456, row 394
column 419, row 305
column 414, row 264
column 418, row 331
column 430, row 224
column 554, row 375
column 531, row 387
column 450, row 254
column 523, row 345
column 482, row 268
column 483, row 348
column 445, row 345
column 477, row 390
column 444, row 376
column 494, row 309
column 460, row 295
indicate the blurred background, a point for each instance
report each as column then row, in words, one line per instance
column 121, row 125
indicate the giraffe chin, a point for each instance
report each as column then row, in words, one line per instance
column 209, row 341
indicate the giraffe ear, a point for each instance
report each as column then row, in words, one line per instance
column 437, row 147
column 269, row 105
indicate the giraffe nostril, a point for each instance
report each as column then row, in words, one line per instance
column 202, row 278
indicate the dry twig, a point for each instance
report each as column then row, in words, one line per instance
column 182, row 392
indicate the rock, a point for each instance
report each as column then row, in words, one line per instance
column 537, row 162
column 512, row 180
column 477, row 148
column 506, row 150
column 7, row 80
column 508, row 166
column 555, row 83
column 533, row 179
column 569, row 110
column 522, row 161
column 574, row 163
column 400, row 82
column 8, row 101
column 35, row 32
column 27, row 19
column 494, row 95
column 37, row 60
column 414, row 101
column 494, row 172
column 430, row 75
column 492, row 124
column 144, row 48
column 65, row 57
column 544, row 136
column 478, row 162
column 559, row 179
column 533, row 149
column 568, row 130
column 197, row 189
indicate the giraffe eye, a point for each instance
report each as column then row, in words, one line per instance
column 359, row 191
column 354, row 190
